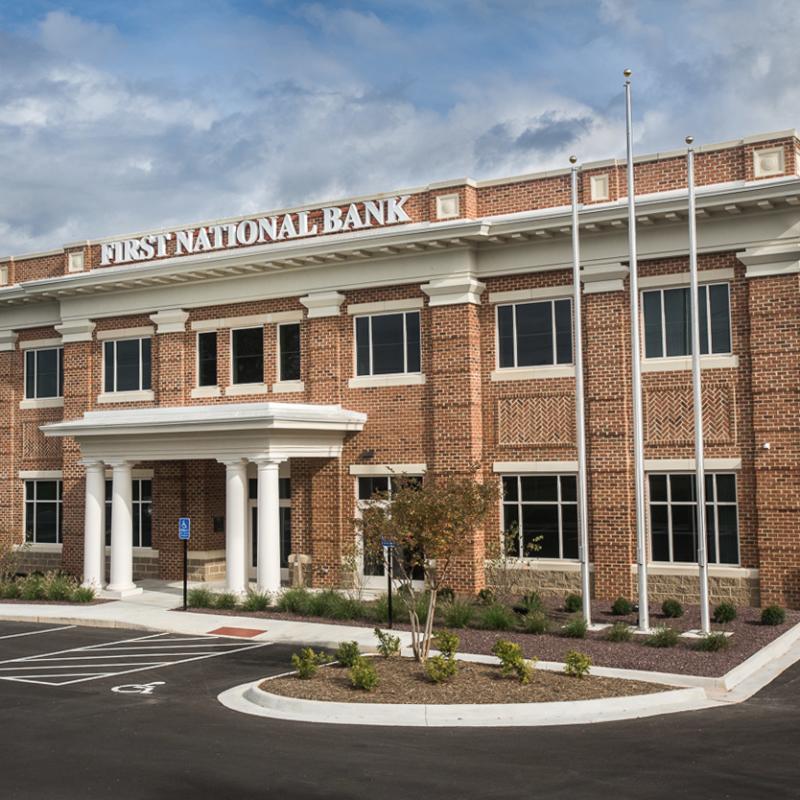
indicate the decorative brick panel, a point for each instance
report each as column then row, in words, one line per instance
column 544, row 419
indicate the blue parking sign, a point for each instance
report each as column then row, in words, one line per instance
column 184, row 528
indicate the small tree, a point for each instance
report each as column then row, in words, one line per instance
column 431, row 525
column 503, row 553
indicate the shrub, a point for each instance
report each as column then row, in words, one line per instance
column 446, row 595
column 446, row 643
column 200, row 598
column 575, row 629
column 82, row 594
column 619, row 632
column 573, row 602
column 672, row 609
column 226, row 601
column 535, row 622
column 380, row 609
column 306, row 662
column 58, row 586
column 333, row 605
column 712, row 642
column 621, row 607
column 363, row 674
column 532, row 601
column 576, row 664
column 662, row 637
column 9, row 590
column 256, row 601
column 441, row 668
column 295, row 601
column 457, row 614
column 724, row 612
column 347, row 653
column 773, row 615
column 32, row 587
column 512, row 662
column 497, row 617
column 486, row 596
column 388, row 645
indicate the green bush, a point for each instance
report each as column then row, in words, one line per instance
column 446, row 643
column 773, row 615
column 512, row 662
column 621, row 607
column 9, row 590
column 532, row 601
column 576, row 628
column 226, row 601
column 295, row 601
column 388, row 645
column 535, row 622
column 576, row 664
column 380, row 610
column 82, row 594
column 59, row 587
column 333, row 605
column 256, row 601
column 441, row 668
column 200, row 598
column 662, row 637
column 672, row 609
column 712, row 642
column 573, row 602
column 486, row 596
column 619, row 632
column 306, row 662
column 32, row 587
column 457, row 614
column 363, row 674
column 725, row 612
column 496, row 617
column 347, row 653
column 445, row 595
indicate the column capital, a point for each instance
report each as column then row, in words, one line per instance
column 267, row 462
column 231, row 463
column 8, row 341
column 118, row 463
column 610, row 277
column 323, row 304
column 170, row 320
column 92, row 463
column 779, row 258
column 76, row 330
column 454, row 291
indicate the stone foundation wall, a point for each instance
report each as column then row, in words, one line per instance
column 37, row 561
column 203, row 567
column 685, row 589
column 547, row 582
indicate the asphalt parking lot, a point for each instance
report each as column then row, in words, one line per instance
column 65, row 733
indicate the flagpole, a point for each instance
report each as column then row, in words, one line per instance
column 580, row 431
column 638, row 424
column 697, row 397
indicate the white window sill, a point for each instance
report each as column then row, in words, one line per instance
column 714, row 570
column 543, row 564
column 42, row 402
column 401, row 379
column 288, row 386
column 138, row 551
column 39, row 547
column 206, row 391
column 246, row 388
column 678, row 363
column 142, row 396
column 533, row 373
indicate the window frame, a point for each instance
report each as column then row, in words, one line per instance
column 59, row 503
column 661, row 289
column 555, row 363
column 34, row 351
column 668, row 503
column 114, row 343
column 520, row 503
column 372, row 373
column 279, row 352
column 136, row 535
column 232, row 382
column 197, row 358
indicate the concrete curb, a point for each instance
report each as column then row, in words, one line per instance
column 250, row 699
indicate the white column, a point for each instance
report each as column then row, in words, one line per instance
column 121, row 582
column 93, row 527
column 268, row 570
column 235, row 525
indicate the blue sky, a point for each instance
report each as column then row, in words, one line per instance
column 118, row 116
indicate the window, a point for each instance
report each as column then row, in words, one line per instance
column 207, row 358
column 142, row 492
column 43, row 517
column 673, row 518
column 44, row 373
column 285, row 521
column 667, row 328
column 247, row 355
column 387, row 344
column 534, row 334
column 127, row 365
column 289, row 352
column 541, row 506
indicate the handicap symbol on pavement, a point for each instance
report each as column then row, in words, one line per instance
column 137, row 688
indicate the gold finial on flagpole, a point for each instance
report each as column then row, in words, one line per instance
column 689, row 140
column 627, row 73
column 573, row 159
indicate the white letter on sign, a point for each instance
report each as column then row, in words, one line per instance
column 395, row 211
column 332, row 220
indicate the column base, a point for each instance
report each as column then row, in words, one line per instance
column 111, row 593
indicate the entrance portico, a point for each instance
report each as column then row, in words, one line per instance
column 266, row 434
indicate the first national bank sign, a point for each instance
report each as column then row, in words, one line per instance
column 294, row 225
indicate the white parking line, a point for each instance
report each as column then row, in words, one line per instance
column 33, row 633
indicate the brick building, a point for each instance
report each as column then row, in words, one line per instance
column 265, row 375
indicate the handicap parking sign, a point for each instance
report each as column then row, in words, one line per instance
column 184, row 527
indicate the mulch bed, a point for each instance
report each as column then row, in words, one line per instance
column 402, row 680
column 749, row 636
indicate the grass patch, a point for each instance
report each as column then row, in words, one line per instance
column 662, row 637
column 256, row 601
column 457, row 614
column 575, row 629
column 226, row 601
column 712, row 643
column 200, row 597
column 496, row 617
column 619, row 632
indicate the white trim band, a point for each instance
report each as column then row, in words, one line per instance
column 139, row 396
column 541, row 293
column 367, row 470
column 524, row 467
column 688, row 464
column 41, row 402
column 40, row 474
column 682, row 278
column 373, row 381
column 126, row 333
column 248, row 321
column 382, row 306
column 39, row 344
column 679, row 363
column 532, row 373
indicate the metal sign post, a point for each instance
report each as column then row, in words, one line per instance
column 184, row 532
column 389, row 546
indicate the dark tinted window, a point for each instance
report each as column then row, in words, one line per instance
column 44, row 373
column 248, row 355
column 388, row 344
column 535, row 334
column 289, row 345
column 207, row 359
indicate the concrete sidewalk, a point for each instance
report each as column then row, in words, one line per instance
column 152, row 611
